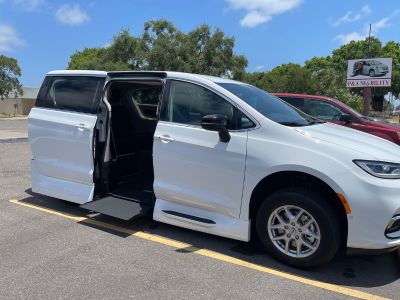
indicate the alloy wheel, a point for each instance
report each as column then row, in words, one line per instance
column 294, row 231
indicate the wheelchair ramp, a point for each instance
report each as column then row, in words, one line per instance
column 118, row 207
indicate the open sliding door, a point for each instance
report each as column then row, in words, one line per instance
column 61, row 132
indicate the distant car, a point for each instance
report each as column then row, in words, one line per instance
column 335, row 111
column 395, row 113
column 370, row 68
column 377, row 119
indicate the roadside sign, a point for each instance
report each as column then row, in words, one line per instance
column 369, row 72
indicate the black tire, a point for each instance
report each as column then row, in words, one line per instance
column 371, row 73
column 322, row 212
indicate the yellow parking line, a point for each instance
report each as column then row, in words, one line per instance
column 208, row 253
column 50, row 211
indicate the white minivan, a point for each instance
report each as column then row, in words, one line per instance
column 217, row 156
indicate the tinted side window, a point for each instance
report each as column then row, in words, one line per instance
column 322, row 110
column 72, row 93
column 188, row 103
column 296, row 102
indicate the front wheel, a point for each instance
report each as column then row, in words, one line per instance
column 372, row 73
column 299, row 228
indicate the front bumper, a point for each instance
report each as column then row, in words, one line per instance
column 382, row 72
column 373, row 202
column 358, row 251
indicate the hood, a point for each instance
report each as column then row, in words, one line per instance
column 367, row 144
column 382, row 124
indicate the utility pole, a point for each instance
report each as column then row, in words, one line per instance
column 367, row 90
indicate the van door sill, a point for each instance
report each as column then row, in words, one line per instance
column 189, row 218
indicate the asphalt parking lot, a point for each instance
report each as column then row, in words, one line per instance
column 51, row 249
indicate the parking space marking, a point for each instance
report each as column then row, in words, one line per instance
column 208, row 253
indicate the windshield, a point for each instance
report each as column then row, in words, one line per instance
column 350, row 108
column 270, row 106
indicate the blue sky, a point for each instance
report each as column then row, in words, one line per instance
column 42, row 34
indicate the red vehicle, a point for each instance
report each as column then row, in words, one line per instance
column 335, row 111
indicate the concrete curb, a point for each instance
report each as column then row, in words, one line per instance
column 14, row 139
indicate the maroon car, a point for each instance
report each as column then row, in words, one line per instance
column 332, row 110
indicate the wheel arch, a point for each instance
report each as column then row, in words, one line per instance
column 286, row 179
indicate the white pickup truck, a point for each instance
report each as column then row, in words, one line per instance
column 217, row 156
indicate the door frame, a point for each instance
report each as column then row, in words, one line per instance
column 104, row 157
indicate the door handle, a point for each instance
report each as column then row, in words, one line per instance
column 164, row 138
column 82, row 127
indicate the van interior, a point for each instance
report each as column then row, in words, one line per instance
column 130, row 174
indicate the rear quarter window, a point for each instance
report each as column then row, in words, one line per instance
column 71, row 93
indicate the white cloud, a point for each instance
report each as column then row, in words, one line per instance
column 260, row 68
column 253, row 19
column 71, row 15
column 9, row 38
column 375, row 28
column 385, row 22
column 261, row 11
column 350, row 16
column 29, row 5
column 366, row 10
column 351, row 36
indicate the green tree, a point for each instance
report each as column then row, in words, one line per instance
column 287, row 78
column 392, row 49
column 356, row 49
column 125, row 53
column 9, row 73
column 163, row 47
column 88, row 58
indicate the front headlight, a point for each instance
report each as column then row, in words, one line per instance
column 380, row 169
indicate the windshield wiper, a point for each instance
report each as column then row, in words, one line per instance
column 292, row 124
column 316, row 122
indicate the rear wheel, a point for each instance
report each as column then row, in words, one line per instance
column 299, row 228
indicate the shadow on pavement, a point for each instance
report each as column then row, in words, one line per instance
column 353, row 271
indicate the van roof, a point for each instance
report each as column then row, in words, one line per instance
column 77, row 72
column 168, row 74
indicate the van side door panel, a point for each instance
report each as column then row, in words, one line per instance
column 197, row 170
column 61, row 139
column 61, row 145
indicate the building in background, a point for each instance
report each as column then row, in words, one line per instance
column 20, row 106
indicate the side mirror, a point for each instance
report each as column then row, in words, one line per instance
column 345, row 118
column 216, row 122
